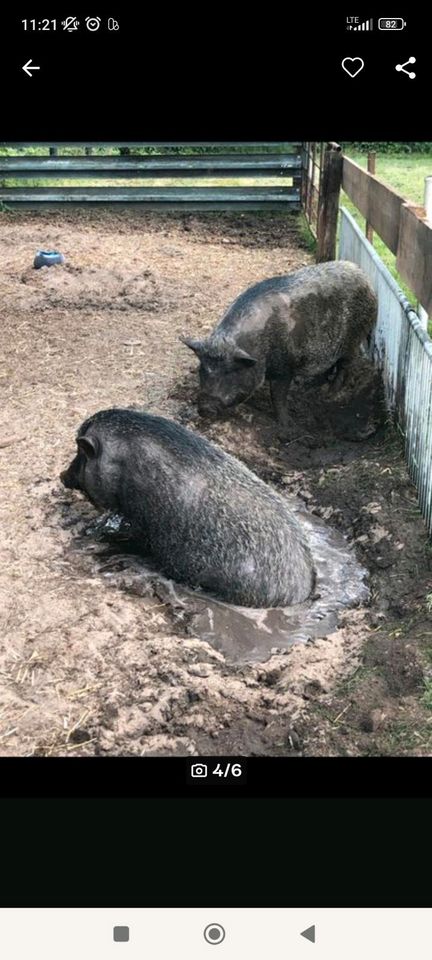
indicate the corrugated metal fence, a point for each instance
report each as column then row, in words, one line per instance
column 403, row 351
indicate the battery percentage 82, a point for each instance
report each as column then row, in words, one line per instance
column 397, row 23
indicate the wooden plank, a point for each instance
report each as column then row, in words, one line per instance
column 414, row 255
column 236, row 160
column 282, row 146
column 303, row 175
column 311, row 178
column 138, row 193
column 384, row 212
column 379, row 204
column 187, row 166
column 371, row 165
column 154, row 194
column 285, row 177
column 270, row 204
column 328, row 204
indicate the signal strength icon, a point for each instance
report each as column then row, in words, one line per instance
column 365, row 25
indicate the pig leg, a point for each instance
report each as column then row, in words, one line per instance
column 342, row 370
column 279, row 390
column 109, row 526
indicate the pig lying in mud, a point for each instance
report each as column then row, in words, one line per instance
column 309, row 323
column 206, row 519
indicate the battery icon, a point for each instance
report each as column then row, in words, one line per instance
column 396, row 24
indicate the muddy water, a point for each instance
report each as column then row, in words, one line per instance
column 243, row 634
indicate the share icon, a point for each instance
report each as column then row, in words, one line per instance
column 400, row 67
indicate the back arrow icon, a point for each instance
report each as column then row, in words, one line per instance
column 309, row 934
column 27, row 68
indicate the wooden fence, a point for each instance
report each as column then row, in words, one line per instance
column 218, row 162
column 312, row 165
column 321, row 183
column 403, row 226
column 310, row 177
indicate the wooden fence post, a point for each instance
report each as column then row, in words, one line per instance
column 371, row 165
column 329, row 203
column 422, row 313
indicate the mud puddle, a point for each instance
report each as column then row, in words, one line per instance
column 242, row 634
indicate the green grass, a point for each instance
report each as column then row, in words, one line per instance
column 148, row 182
column 427, row 696
column 406, row 174
column 307, row 238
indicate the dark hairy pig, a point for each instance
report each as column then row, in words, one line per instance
column 306, row 324
column 207, row 520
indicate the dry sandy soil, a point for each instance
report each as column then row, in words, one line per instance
column 94, row 659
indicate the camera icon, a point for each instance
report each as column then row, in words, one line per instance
column 198, row 770
column 93, row 23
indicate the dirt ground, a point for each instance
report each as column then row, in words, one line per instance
column 94, row 659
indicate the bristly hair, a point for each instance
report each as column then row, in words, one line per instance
column 218, row 347
column 130, row 423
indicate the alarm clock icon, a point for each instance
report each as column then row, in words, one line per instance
column 93, row 23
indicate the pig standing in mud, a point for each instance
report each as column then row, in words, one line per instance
column 306, row 324
column 207, row 520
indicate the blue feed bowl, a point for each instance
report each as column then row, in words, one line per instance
column 46, row 258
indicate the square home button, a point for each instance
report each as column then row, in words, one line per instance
column 121, row 934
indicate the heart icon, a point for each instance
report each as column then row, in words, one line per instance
column 352, row 65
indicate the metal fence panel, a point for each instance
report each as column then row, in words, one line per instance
column 229, row 173
column 403, row 351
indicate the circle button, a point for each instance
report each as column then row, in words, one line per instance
column 214, row 933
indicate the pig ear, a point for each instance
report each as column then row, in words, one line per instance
column 196, row 345
column 243, row 357
column 89, row 446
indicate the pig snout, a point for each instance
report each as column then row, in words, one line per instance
column 208, row 407
column 68, row 480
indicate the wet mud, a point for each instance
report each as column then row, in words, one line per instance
column 100, row 654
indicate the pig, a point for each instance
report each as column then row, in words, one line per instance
column 207, row 520
column 308, row 324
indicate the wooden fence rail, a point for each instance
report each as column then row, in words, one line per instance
column 208, row 165
column 378, row 203
column 247, row 198
column 160, row 146
column 401, row 225
column 223, row 162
